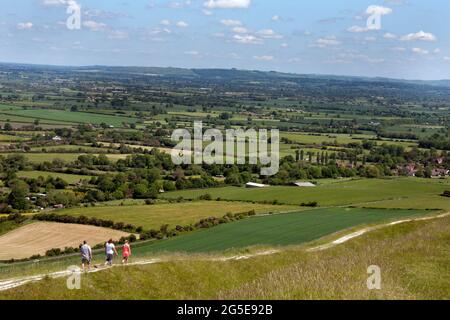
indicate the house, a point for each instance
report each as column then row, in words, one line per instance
column 304, row 184
column 57, row 138
column 440, row 172
column 411, row 170
column 255, row 185
column 58, row 206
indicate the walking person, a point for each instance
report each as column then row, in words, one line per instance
column 126, row 252
column 86, row 256
column 110, row 252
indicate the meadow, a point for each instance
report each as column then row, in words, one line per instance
column 154, row 216
column 363, row 192
column 69, row 178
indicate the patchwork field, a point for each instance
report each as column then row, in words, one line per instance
column 154, row 216
column 65, row 116
column 67, row 157
column 37, row 238
column 363, row 192
column 277, row 230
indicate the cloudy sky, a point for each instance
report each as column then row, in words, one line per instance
column 393, row 38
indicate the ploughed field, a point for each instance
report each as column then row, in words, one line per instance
column 37, row 238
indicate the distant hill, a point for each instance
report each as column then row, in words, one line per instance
column 212, row 74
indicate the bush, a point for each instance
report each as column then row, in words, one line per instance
column 312, row 204
column 206, row 197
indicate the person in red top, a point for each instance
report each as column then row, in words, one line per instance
column 126, row 252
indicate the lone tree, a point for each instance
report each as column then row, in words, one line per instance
column 17, row 197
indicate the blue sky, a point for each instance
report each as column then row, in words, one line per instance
column 320, row 36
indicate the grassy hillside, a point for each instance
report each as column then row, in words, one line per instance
column 152, row 217
column 337, row 273
column 343, row 193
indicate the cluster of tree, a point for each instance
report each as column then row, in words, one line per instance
column 166, row 232
column 53, row 217
column 436, row 141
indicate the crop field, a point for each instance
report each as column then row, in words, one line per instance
column 364, row 192
column 278, row 230
column 67, row 116
column 37, row 238
column 66, row 157
column 69, row 178
column 154, row 216
column 11, row 138
column 327, row 139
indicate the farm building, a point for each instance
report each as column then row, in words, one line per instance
column 304, row 184
column 255, row 185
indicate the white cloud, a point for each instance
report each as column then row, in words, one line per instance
column 379, row 10
column 231, row 23
column 182, row 24
column 227, row 4
column 389, row 36
column 421, row 35
column 118, row 35
column 240, row 30
column 24, row 25
column 357, row 29
column 93, row 25
column 325, row 42
column 269, row 34
column 246, row 39
column 276, row 18
column 264, row 58
column 192, row 53
column 165, row 22
column 398, row 49
column 370, row 39
column 419, row 51
column 447, row 58
column 179, row 4
column 437, row 50
column 284, row 45
column 207, row 12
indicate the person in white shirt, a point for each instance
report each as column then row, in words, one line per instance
column 110, row 249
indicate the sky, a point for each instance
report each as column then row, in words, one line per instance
column 408, row 39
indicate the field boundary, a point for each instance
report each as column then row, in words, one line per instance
column 17, row 282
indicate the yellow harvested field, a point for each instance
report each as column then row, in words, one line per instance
column 37, row 238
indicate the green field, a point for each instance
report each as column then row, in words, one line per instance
column 11, row 138
column 65, row 116
column 364, row 192
column 277, row 230
column 67, row 157
column 154, row 216
column 69, row 178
